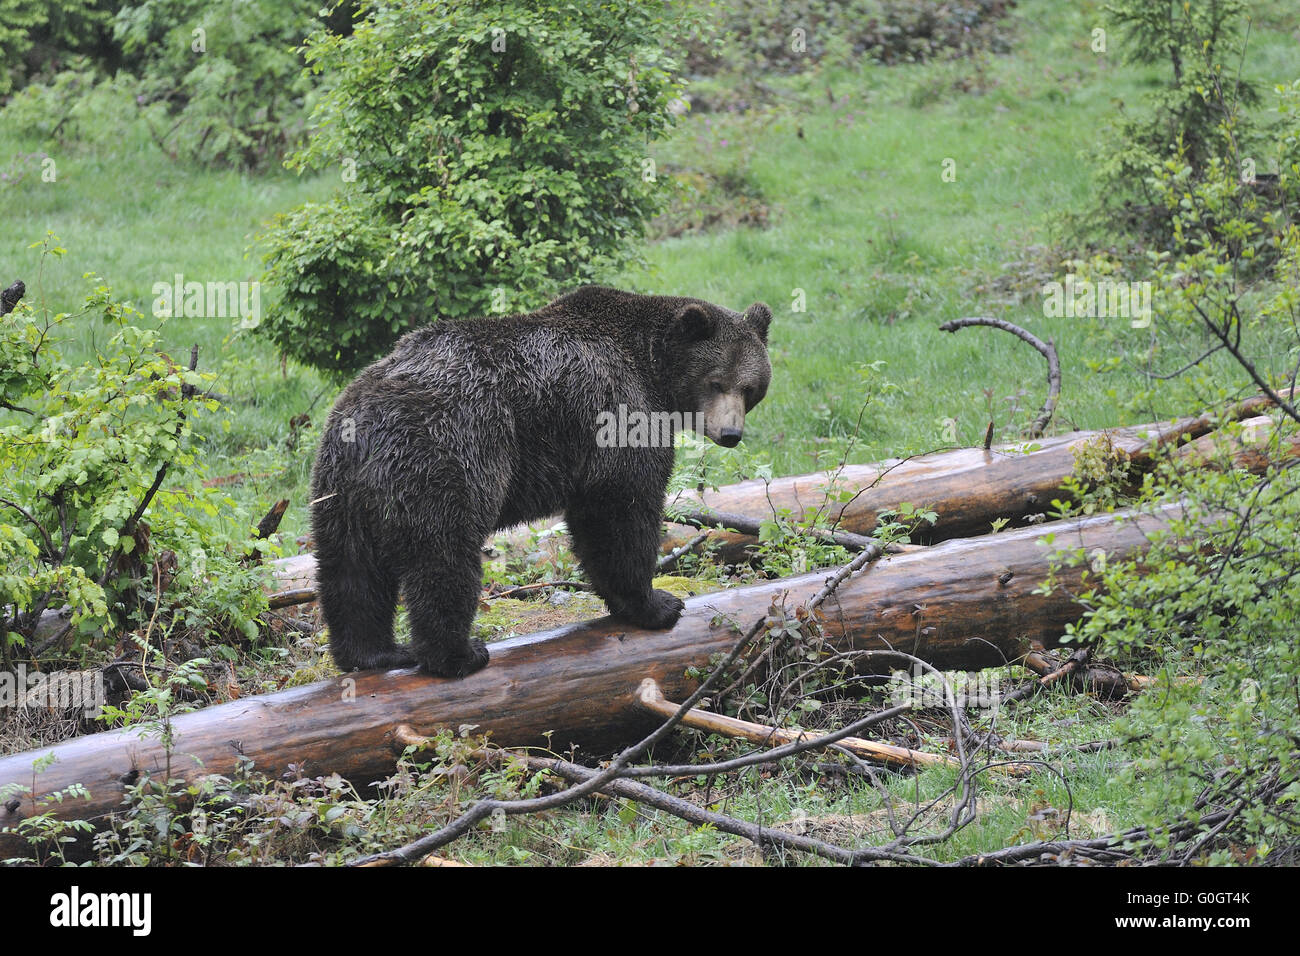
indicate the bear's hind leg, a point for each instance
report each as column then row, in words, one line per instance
column 441, row 592
column 618, row 546
column 359, row 599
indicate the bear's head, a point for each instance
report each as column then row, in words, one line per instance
column 720, row 368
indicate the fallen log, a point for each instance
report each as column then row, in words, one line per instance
column 969, row 488
column 965, row 604
column 1259, row 443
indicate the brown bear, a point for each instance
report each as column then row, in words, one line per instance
column 472, row 426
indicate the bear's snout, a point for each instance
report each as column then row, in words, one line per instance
column 722, row 418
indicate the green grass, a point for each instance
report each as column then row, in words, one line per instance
column 1086, row 800
column 883, row 249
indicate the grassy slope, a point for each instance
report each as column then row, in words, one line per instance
column 870, row 232
column 884, row 250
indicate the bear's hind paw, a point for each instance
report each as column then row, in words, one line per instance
column 660, row 613
column 473, row 658
column 385, row 660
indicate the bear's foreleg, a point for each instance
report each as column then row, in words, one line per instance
column 618, row 545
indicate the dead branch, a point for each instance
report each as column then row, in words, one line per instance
column 752, row 527
column 265, row 528
column 669, row 561
column 291, row 597
column 538, row 586
column 1039, row 424
column 268, row 525
column 746, row 525
column 650, row 698
column 1105, row 682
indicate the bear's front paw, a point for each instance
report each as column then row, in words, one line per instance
column 473, row 657
column 660, row 612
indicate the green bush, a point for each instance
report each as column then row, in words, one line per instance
column 1201, row 118
column 497, row 152
column 73, row 105
column 38, row 36
column 1210, row 612
column 1211, row 609
column 220, row 83
column 102, row 508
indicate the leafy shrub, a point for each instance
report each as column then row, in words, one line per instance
column 38, row 35
column 73, row 105
column 1195, row 40
column 103, row 509
column 1210, row 613
column 1201, row 120
column 220, row 83
column 497, row 151
column 1211, row 609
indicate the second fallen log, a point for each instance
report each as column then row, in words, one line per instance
column 968, row 487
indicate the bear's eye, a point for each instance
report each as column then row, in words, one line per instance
column 717, row 388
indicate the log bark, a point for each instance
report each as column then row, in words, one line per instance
column 1259, row 444
column 968, row 487
column 966, row 604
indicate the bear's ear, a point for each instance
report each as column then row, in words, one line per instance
column 694, row 323
column 757, row 318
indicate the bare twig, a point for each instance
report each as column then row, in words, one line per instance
column 1039, row 424
column 651, row 698
column 527, row 588
column 669, row 561
column 744, row 524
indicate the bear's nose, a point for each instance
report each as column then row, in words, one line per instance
column 729, row 438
